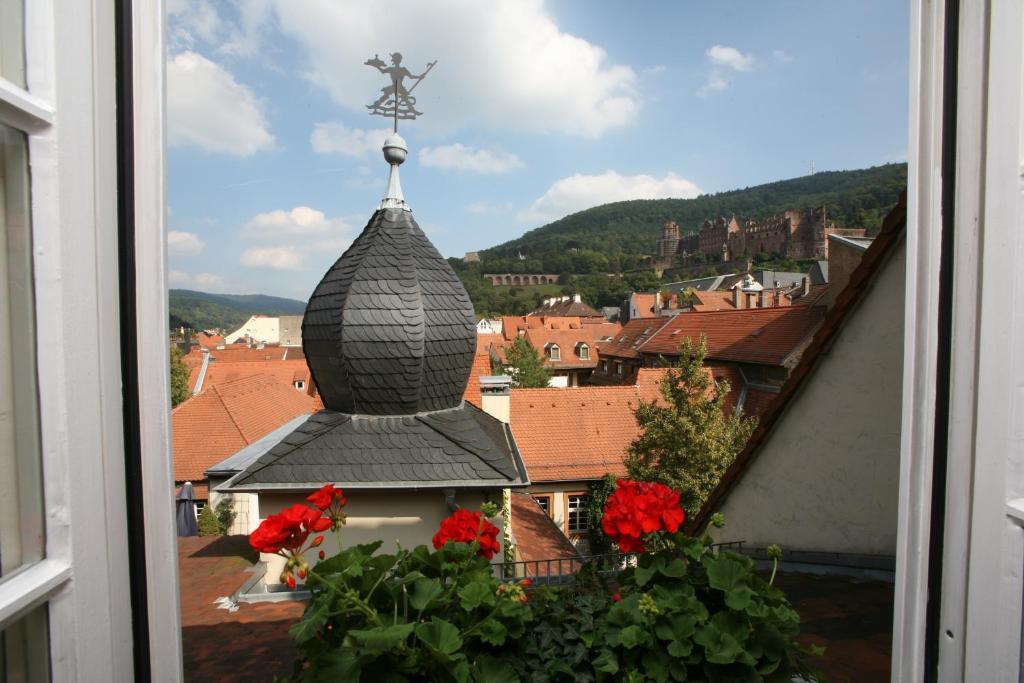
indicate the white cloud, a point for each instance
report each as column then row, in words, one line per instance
column 723, row 59
column 302, row 220
column 715, row 83
column 274, row 258
column 579, row 192
column 502, row 64
column 478, row 207
column 191, row 21
column 463, row 158
column 208, row 280
column 782, row 56
column 731, row 57
column 180, row 243
column 334, row 137
column 178, row 277
column 209, row 109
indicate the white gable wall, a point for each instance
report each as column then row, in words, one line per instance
column 826, row 478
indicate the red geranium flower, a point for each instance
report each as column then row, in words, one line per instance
column 638, row 508
column 288, row 530
column 327, row 495
column 465, row 526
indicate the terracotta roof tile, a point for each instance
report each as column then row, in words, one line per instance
column 891, row 234
column 481, row 367
column 536, row 535
column 645, row 303
column 284, row 371
column 634, row 333
column 759, row 335
column 225, row 418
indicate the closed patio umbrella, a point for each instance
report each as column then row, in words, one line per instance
column 186, row 511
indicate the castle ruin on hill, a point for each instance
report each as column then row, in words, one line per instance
column 793, row 234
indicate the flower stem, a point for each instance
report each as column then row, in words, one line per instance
column 775, row 567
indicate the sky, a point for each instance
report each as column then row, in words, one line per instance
column 534, row 110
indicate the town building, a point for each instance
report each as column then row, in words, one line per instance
column 568, row 307
column 792, row 234
column 568, row 344
column 390, row 339
column 261, row 329
column 521, row 279
column 820, row 474
column 290, row 330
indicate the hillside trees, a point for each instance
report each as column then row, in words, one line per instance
column 686, row 441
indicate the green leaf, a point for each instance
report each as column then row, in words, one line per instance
column 335, row 665
column 730, row 576
column 631, row 636
column 672, row 568
column 423, row 592
column 493, row 631
column 656, row 665
column 607, row 662
column 381, row 638
column 491, row 670
column 723, row 638
column 642, row 575
column 476, row 594
column 440, row 636
column 310, row 624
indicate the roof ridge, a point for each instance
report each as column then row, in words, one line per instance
column 231, row 415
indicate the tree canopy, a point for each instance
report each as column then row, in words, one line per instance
column 525, row 365
column 179, row 377
column 686, row 441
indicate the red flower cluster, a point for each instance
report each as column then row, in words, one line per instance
column 288, row 530
column 330, row 500
column 638, row 508
column 323, row 498
column 465, row 526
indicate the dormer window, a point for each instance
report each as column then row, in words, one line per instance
column 583, row 350
column 554, row 353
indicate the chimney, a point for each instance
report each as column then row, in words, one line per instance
column 496, row 397
column 807, row 285
column 737, row 296
column 576, row 298
column 764, row 299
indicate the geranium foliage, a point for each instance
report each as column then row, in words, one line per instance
column 682, row 613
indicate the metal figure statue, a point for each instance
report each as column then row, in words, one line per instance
column 396, row 101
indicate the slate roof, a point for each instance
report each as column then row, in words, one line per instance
column 767, row 336
column 891, row 234
column 456, row 448
column 390, row 338
column 390, row 329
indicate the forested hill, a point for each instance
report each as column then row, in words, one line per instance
column 624, row 230
column 225, row 311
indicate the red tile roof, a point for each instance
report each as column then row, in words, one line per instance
column 634, row 333
column 284, row 371
column 481, row 367
column 891, row 234
column 577, row 433
column 240, row 354
column 225, row 418
column 536, row 535
column 209, row 341
column 645, row 304
column 767, row 336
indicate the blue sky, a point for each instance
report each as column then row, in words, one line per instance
column 534, row 110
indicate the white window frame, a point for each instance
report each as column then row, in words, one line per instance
column 68, row 112
column 554, row 353
column 979, row 623
column 584, row 351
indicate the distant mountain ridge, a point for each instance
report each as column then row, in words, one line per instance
column 621, row 231
column 207, row 311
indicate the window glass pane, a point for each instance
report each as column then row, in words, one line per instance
column 12, row 41
column 577, row 520
column 24, row 649
column 21, row 510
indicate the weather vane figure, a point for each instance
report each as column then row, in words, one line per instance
column 396, row 101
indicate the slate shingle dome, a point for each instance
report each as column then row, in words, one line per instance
column 390, row 330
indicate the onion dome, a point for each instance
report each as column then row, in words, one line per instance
column 390, row 330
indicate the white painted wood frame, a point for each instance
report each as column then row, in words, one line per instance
column 983, row 542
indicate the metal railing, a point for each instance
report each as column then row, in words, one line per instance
column 563, row 570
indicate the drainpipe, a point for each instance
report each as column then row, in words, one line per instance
column 449, row 500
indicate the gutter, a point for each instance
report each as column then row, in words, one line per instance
column 202, row 372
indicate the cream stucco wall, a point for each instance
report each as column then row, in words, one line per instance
column 826, row 478
column 408, row 518
column 246, row 506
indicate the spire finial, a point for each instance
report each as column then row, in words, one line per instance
column 396, row 102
